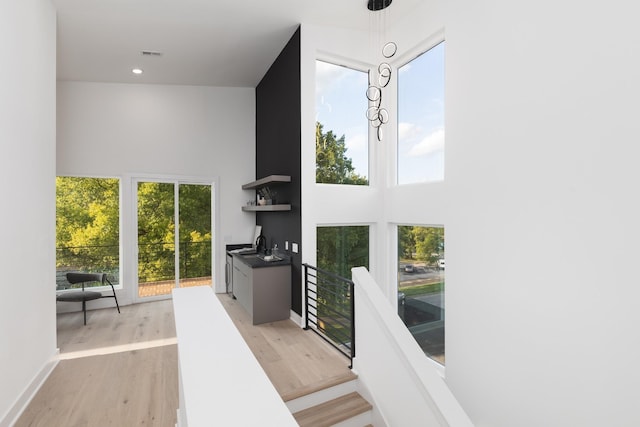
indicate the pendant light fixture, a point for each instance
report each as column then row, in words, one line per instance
column 376, row 113
column 375, row 5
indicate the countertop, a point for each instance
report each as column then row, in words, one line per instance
column 254, row 261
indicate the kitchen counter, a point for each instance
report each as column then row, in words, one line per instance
column 257, row 261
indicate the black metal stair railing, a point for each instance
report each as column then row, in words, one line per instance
column 329, row 309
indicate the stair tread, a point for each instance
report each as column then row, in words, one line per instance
column 321, row 385
column 332, row 412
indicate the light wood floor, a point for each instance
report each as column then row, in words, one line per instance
column 296, row 361
column 121, row 369
column 118, row 370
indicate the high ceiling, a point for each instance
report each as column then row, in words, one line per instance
column 202, row 42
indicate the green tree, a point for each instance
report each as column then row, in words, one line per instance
column 87, row 224
column 341, row 248
column 195, row 230
column 429, row 243
column 332, row 164
column 406, row 242
column 156, row 232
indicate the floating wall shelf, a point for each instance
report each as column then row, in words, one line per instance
column 266, row 208
column 262, row 182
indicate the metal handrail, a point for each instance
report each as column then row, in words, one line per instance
column 318, row 285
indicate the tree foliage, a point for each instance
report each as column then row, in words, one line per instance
column 87, row 223
column 332, row 164
column 87, row 228
column 341, row 248
column 421, row 243
column 156, row 231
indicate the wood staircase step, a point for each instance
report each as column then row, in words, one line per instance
column 320, row 385
column 334, row 411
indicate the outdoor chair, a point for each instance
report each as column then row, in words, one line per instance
column 82, row 295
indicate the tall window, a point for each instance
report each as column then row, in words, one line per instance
column 421, row 286
column 421, row 118
column 339, row 250
column 342, row 142
column 87, row 227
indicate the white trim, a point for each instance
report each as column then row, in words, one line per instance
column 419, row 48
column 343, row 61
column 23, row 400
column 296, row 318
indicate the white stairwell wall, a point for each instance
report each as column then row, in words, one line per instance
column 402, row 384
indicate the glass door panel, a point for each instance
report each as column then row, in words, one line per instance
column 156, row 238
column 194, row 205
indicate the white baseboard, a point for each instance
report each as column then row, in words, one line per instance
column 21, row 403
column 296, row 318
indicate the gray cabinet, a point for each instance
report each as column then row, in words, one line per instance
column 264, row 292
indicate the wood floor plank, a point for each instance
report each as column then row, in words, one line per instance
column 128, row 387
column 294, row 359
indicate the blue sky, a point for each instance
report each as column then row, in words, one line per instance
column 341, row 105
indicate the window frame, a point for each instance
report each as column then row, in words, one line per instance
column 119, row 285
column 403, row 60
column 359, row 67
column 440, row 366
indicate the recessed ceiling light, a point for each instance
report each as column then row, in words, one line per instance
column 137, row 71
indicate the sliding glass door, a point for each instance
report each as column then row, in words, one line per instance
column 174, row 236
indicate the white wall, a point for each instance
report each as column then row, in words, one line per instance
column 122, row 130
column 27, row 169
column 539, row 207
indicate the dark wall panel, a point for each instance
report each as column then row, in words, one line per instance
column 278, row 153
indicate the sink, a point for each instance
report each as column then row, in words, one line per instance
column 269, row 258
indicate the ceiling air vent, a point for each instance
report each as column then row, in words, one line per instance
column 151, row 53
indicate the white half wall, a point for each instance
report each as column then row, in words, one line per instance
column 27, row 168
column 120, row 130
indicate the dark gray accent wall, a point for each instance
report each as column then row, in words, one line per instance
column 278, row 153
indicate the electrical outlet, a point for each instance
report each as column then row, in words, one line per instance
column 294, row 248
column 286, row 245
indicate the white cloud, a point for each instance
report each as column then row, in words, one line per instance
column 328, row 75
column 432, row 143
column 356, row 142
column 408, row 131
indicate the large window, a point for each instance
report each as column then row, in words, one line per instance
column 421, row 118
column 87, row 227
column 421, row 286
column 339, row 250
column 342, row 142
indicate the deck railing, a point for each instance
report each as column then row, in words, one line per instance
column 157, row 259
column 329, row 309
